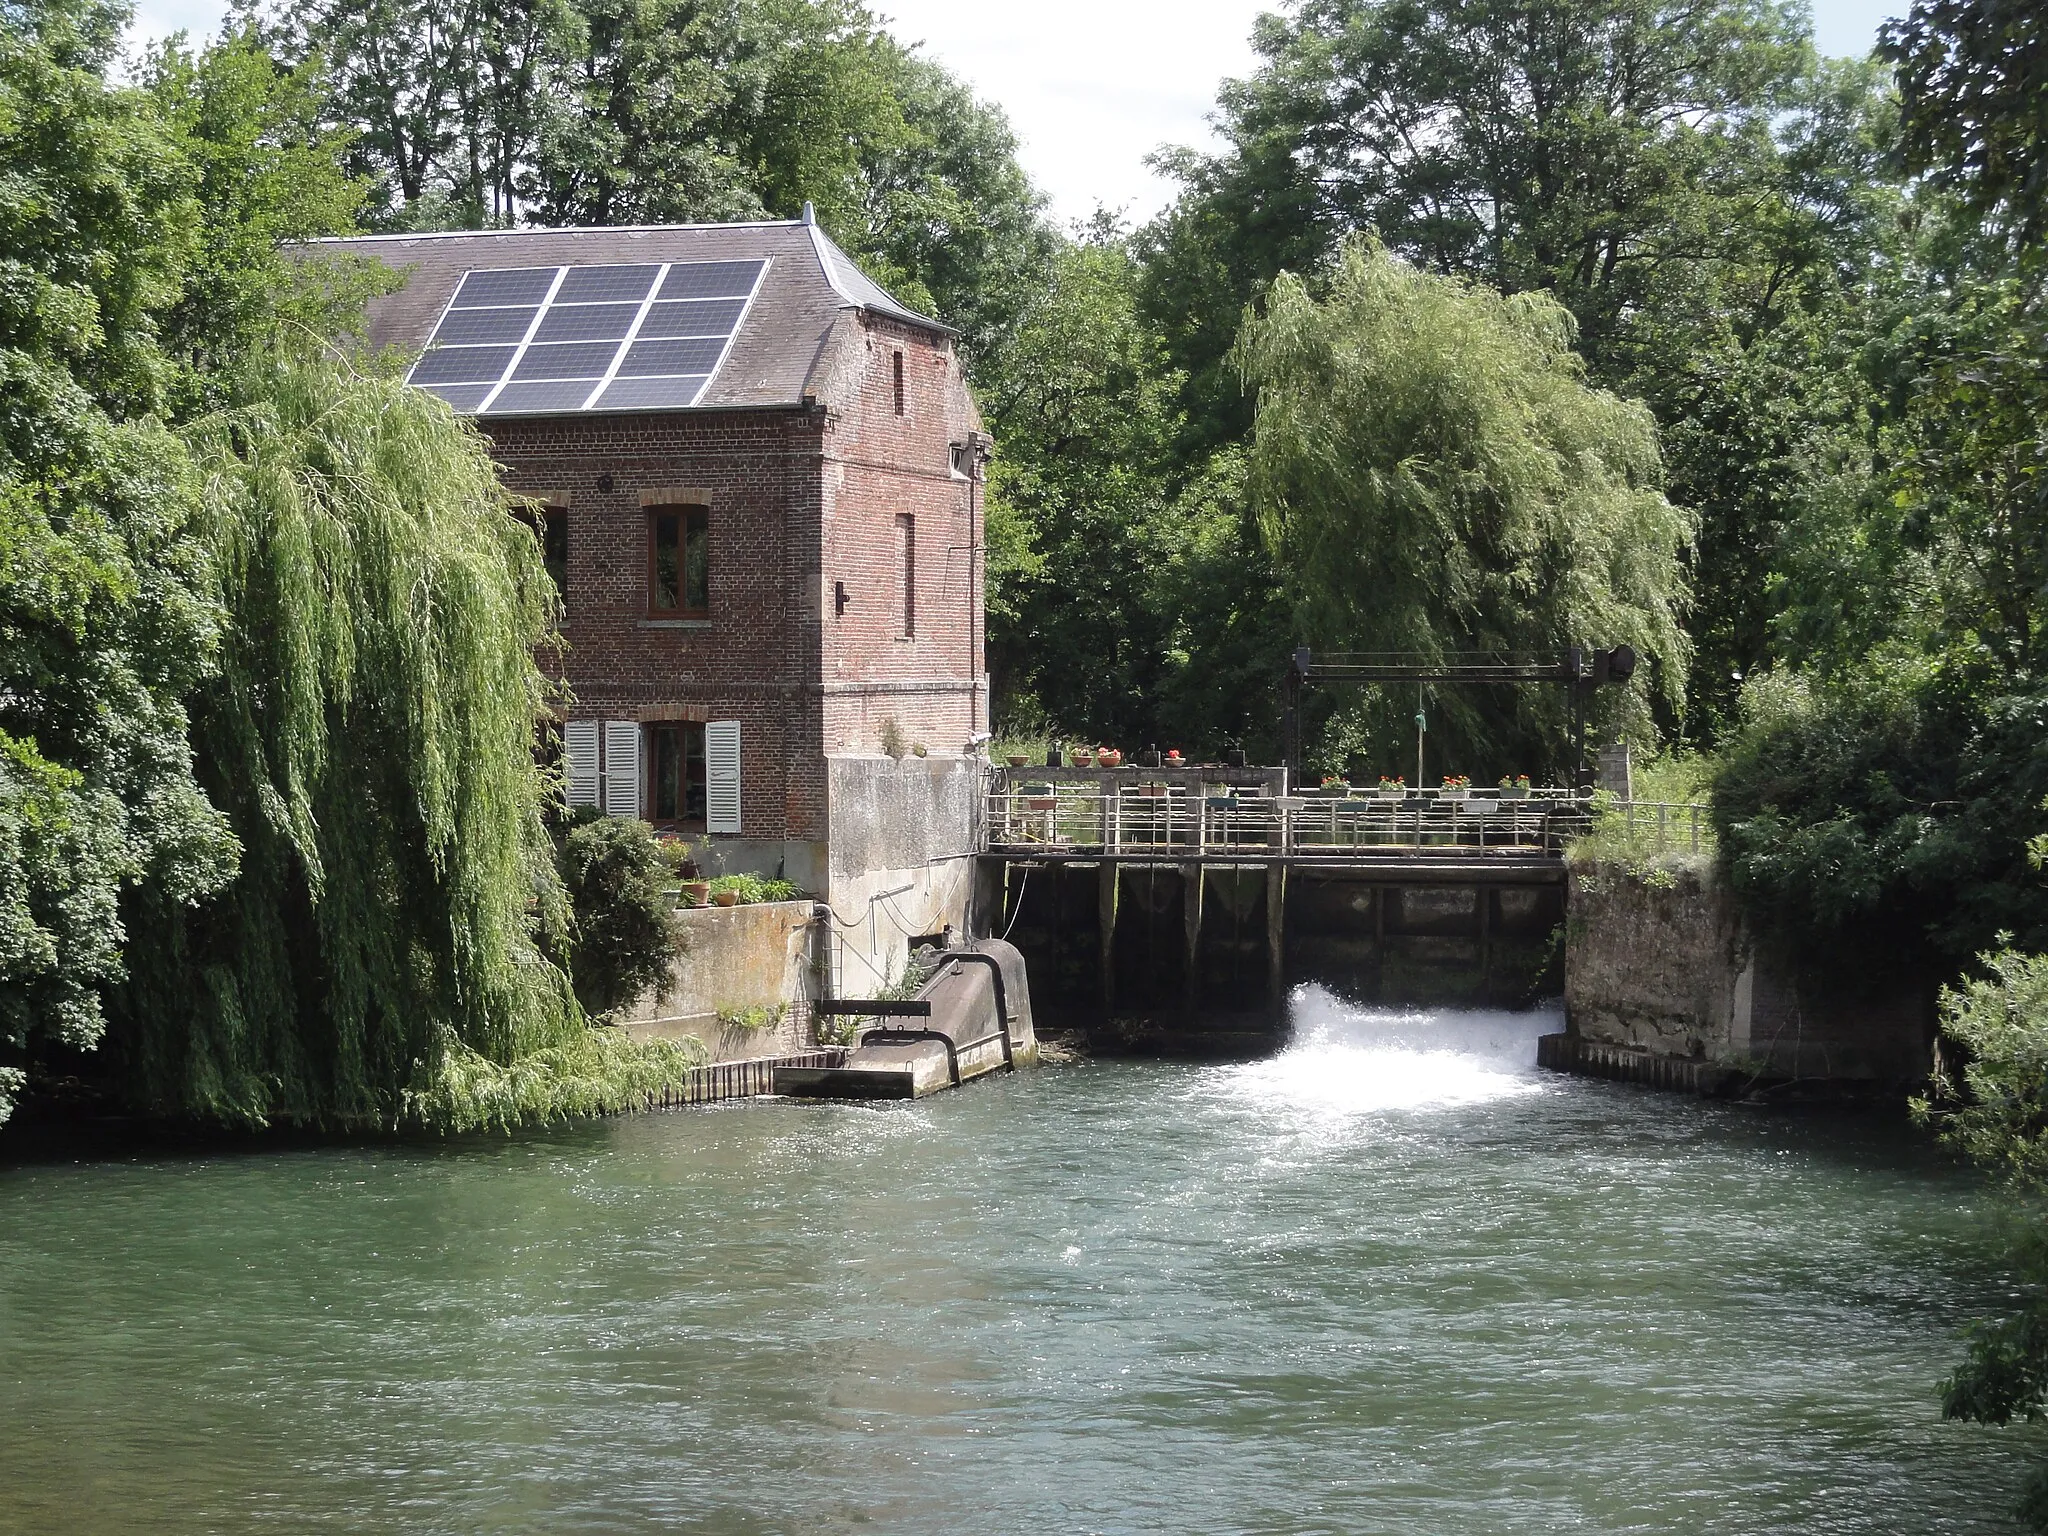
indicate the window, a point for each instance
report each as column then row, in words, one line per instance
column 906, row 537
column 675, row 774
column 678, row 562
column 960, row 459
column 897, row 359
column 550, row 527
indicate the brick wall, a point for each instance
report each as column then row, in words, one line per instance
column 754, row 659
column 800, row 499
column 881, row 466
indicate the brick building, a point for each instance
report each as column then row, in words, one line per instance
column 756, row 476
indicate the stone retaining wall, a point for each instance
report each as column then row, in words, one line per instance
column 1657, row 961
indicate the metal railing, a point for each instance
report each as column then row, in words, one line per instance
column 1654, row 826
column 1173, row 820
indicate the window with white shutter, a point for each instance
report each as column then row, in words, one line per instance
column 722, row 775
column 579, row 747
column 622, row 767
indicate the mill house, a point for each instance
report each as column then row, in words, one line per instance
column 756, row 478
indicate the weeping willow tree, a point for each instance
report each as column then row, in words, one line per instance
column 379, row 959
column 1434, row 475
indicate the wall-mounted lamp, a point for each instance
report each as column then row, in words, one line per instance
column 604, row 485
column 839, row 599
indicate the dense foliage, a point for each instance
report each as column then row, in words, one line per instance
column 1434, row 476
column 623, row 929
column 269, row 818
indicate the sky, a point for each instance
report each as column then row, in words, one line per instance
column 1094, row 86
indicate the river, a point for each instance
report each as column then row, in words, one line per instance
column 1390, row 1280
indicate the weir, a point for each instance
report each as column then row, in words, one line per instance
column 1178, row 907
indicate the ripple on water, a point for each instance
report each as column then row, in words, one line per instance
column 1390, row 1280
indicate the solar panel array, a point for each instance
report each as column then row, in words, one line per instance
column 545, row 340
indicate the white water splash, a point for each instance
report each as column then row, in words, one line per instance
column 1345, row 1060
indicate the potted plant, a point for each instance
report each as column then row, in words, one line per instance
column 1110, row 757
column 1082, row 757
column 1515, row 788
column 1153, row 791
column 1456, row 786
column 1039, row 797
column 1394, row 788
column 1019, row 759
column 1173, row 757
column 1335, row 786
column 696, row 892
column 725, row 898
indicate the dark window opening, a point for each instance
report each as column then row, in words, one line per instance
column 550, row 527
column 679, row 562
column 897, row 358
column 675, row 775
column 906, row 534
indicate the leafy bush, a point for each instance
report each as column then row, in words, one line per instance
column 1874, row 825
column 624, row 924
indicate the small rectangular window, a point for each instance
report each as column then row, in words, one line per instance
column 897, row 360
column 907, row 531
column 675, row 774
column 679, row 562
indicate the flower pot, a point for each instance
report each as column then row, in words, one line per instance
column 1082, row 760
column 1042, row 803
column 696, row 892
column 1173, row 760
column 1392, row 792
column 724, row 898
column 1219, row 802
column 1152, row 791
column 1110, row 759
column 1515, row 792
column 1449, row 793
column 1019, row 759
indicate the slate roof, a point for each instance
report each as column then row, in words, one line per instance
column 781, row 343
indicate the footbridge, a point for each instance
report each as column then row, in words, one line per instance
column 1181, row 903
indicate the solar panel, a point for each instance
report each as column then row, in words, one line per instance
column 651, row 394
column 548, row 340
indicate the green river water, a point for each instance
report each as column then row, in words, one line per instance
column 1391, row 1280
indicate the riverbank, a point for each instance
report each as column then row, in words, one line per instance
column 1391, row 1280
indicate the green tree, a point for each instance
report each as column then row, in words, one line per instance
column 378, row 957
column 105, row 624
column 1434, row 475
column 1080, row 405
column 1973, row 84
column 267, row 172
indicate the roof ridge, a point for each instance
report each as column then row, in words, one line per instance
column 552, row 229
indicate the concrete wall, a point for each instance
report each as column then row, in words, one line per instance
column 733, row 958
column 1663, row 964
column 902, row 836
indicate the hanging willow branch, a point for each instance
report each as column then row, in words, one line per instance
column 370, row 737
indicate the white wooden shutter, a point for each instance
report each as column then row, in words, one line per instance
column 722, row 776
column 579, row 746
column 622, row 767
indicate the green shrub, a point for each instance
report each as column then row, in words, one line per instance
column 624, row 920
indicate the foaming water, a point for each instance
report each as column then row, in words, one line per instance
column 1390, row 1281
column 1344, row 1059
